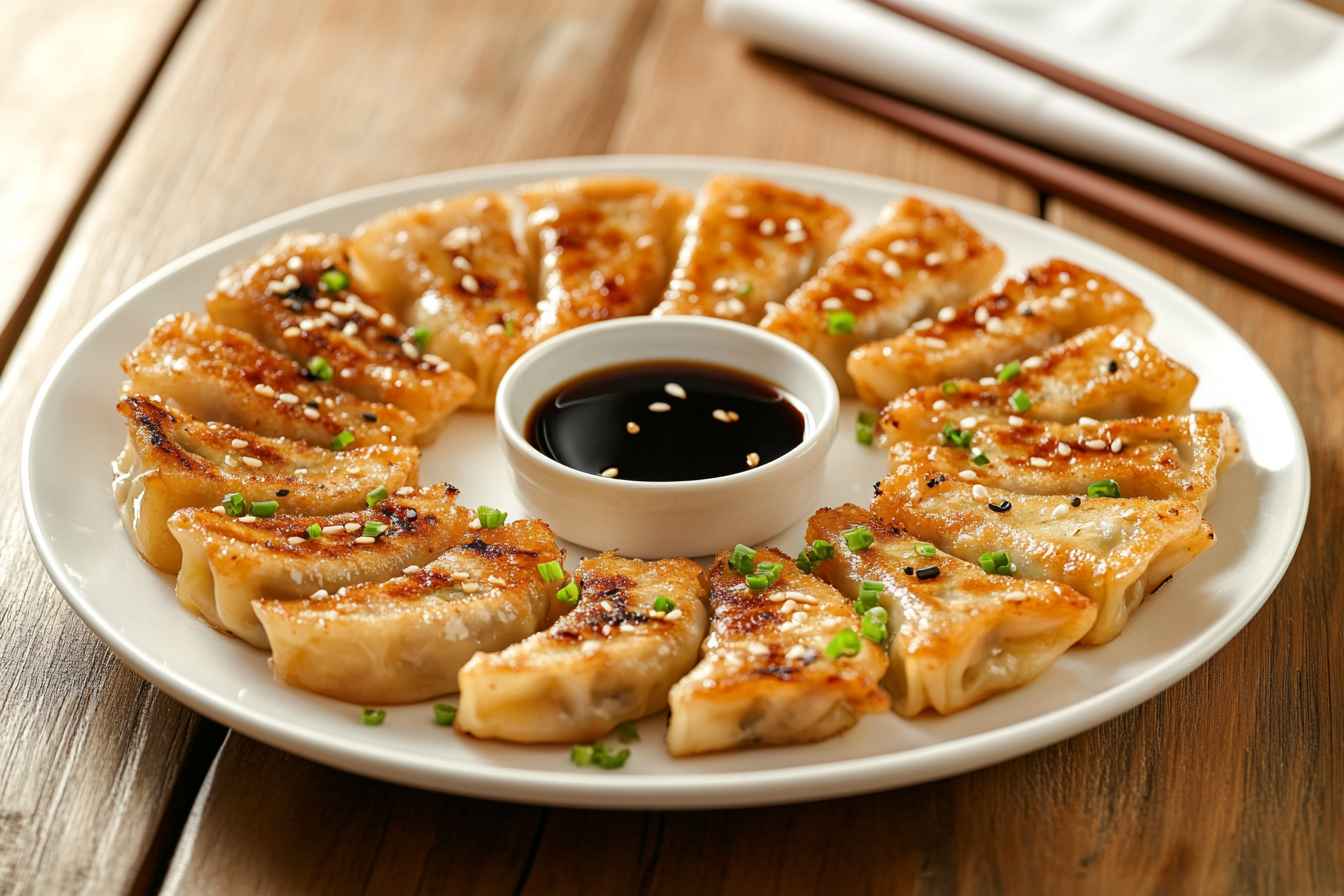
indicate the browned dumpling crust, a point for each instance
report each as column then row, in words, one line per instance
column 1105, row 373
column 218, row 373
column 604, row 247
column 958, row 634
column 1148, row 457
column 228, row 562
column 459, row 268
column 749, row 242
column 1114, row 550
column 298, row 299
column 405, row 639
column 610, row 660
column 765, row 677
column 172, row 460
column 1027, row 314
column 919, row 258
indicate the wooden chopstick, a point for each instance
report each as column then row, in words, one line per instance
column 1288, row 170
column 1307, row 282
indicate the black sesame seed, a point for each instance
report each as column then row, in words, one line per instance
column 371, row 418
column 1112, row 367
column 1002, row 506
column 927, row 572
column 1076, row 502
column 935, row 481
column 909, row 570
column 281, row 493
column 312, row 403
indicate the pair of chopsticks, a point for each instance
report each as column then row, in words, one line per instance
column 1302, row 271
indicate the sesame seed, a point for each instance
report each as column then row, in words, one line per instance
column 263, row 389
column 753, row 459
column 251, row 461
column 469, row 283
column 406, row 490
column 239, row 443
column 333, row 530
column 660, row 407
column 1087, row 421
column 721, row 415
column 320, row 594
column 922, row 324
column 351, row 329
column 1063, row 449
column 968, row 422
column 981, row 315
column 1096, row 444
column 968, row 475
column 295, row 539
column 291, row 332
column 248, row 518
column 946, row 314
column 994, row 325
column 461, row 575
column 365, row 539
column 288, row 398
column 410, row 570
column 1059, row 511
column 219, row 508
column 940, row 405
column 987, row 381
column 1117, row 446
column 793, row 224
column 675, row 390
column 611, row 472
column 934, row 342
column 795, row 236
column 311, row 413
column 1033, row 362
column 409, row 350
column 388, row 321
column 736, row 211
column 875, row 256
column 474, row 524
column 471, row 587
column 674, row 615
column 767, row 227
column 979, row 492
column 353, row 527
column 933, row 259
column 731, row 307
column 863, row 295
column 632, row 427
column 1038, row 462
column 832, row 303
column 1014, row 420
column 891, row 268
column 461, row 262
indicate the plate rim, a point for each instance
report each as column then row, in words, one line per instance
column 833, row 778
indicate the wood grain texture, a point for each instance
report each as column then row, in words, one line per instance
column 74, row 73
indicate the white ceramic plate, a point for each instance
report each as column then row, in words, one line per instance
column 74, row 432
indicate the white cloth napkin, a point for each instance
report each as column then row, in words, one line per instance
column 1270, row 71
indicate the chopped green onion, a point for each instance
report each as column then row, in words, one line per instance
column 234, row 504
column 745, row 289
column 950, row 387
column 863, row 433
column 335, row 280
column 626, row 732
column 979, row 458
column 664, row 604
column 924, row 549
column 869, row 593
column 510, row 328
column 859, row 538
column 804, row 560
column 997, row 562
column 373, row 717
column 1009, row 370
column 551, row 571
column 867, row 418
column 609, row 761
column 1104, row 488
column 845, row 643
column 314, row 531
column 957, row 437
column 1020, row 401
column 822, row 549
column 490, row 517
column 373, row 497
column 344, row 439
column 373, row 528
column 320, row 367
column 264, row 508
column 444, row 713
column 874, row 626
column 420, row 336
column 581, row 755
column 743, row 559
column 569, row 594
column 838, row 322
column 757, row 582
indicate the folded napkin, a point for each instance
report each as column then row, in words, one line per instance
column 1269, row 71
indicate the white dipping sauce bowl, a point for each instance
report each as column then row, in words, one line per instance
column 690, row 518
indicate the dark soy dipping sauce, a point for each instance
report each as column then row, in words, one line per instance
column 583, row 423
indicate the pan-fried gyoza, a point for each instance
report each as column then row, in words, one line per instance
column 406, row 638
column 636, row 630
column 1028, row 314
column 919, row 258
column 172, row 460
column 957, row 633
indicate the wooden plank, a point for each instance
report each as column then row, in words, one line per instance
column 74, row 73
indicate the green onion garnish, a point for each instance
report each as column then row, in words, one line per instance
column 626, row 732
column 950, row 387
column 839, row 322
column 373, row 497
column 444, row 713
column 1020, row 401
column 1009, row 370
column 319, row 367
column 997, row 562
column 924, row 549
column 569, row 594
column 490, row 517
column 757, row 582
column 863, row 433
column 804, row 560
column 743, row 559
column 373, row 528
column 234, row 504
column 822, row 549
column 860, row 538
column 957, row 437
column 264, row 508
column 1104, row 488
column 606, row 760
column 510, row 328
column 551, row 571
column 373, row 717
column 663, row 604
column 745, row 289
column 344, row 439
column 335, row 280
column 581, row 755
column 314, row 531
column 845, row 643
column 979, row 458
column 420, row 336
column 874, row 626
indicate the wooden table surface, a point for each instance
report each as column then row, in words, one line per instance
column 135, row 130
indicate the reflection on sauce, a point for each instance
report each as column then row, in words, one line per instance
column 665, row 421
